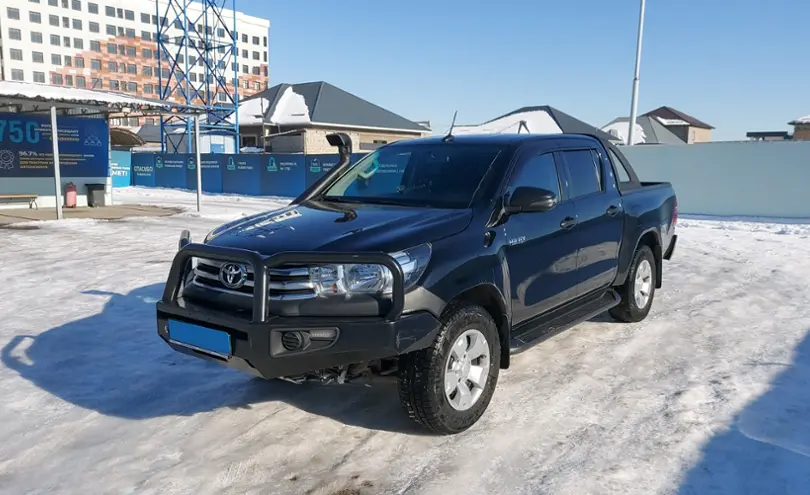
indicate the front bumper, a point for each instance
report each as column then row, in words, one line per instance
column 260, row 343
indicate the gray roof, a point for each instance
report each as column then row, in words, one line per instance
column 567, row 123
column 654, row 131
column 328, row 104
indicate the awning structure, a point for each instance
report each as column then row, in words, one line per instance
column 35, row 98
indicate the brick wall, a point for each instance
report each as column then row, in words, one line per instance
column 125, row 62
column 801, row 132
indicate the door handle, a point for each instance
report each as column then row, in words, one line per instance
column 568, row 223
column 612, row 210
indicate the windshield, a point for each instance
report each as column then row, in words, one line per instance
column 443, row 175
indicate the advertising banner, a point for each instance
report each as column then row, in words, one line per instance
column 242, row 174
column 143, row 169
column 318, row 166
column 211, row 172
column 283, row 174
column 121, row 168
column 26, row 149
column 170, row 170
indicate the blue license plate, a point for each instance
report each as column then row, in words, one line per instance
column 200, row 338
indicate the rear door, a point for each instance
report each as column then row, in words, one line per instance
column 592, row 188
column 540, row 251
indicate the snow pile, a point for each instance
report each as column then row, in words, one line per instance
column 621, row 129
column 802, row 120
column 708, row 395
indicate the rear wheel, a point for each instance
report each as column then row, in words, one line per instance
column 638, row 290
column 448, row 386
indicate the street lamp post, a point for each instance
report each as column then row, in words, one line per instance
column 634, row 102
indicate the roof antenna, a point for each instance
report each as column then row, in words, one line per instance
column 449, row 136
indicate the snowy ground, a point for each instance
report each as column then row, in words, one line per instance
column 711, row 394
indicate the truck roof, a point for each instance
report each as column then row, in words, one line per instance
column 496, row 139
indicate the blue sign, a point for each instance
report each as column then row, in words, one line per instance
column 211, row 173
column 318, row 166
column 242, row 174
column 121, row 168
column 143, row 169
column 170, row 170
column 283, row 175
column 26, row 147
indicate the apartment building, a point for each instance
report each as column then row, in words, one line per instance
column 111, row 45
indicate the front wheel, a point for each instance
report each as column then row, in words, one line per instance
column 448, row 386
column 638, row 291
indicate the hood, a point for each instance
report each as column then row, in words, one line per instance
column 340, row 227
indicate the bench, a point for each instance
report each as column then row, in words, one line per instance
column 31, row 198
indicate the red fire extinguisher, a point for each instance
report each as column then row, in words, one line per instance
column 70, row 195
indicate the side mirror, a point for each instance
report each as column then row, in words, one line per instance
column 531, row 199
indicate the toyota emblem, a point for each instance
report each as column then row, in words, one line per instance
column 233, row 275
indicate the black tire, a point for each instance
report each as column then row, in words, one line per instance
column 422, row 373
column 627, row 310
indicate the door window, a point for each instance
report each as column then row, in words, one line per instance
column 584, row 173
column 538, row 171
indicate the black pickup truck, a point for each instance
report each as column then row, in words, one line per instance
column 433, row 260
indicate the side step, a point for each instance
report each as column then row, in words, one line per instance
column 561, row 319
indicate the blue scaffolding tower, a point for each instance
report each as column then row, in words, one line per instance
column 198, row 34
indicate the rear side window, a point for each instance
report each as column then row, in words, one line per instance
column 538, row 171
column 621, row 172
column 584, row 173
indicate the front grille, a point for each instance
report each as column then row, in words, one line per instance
column 284, row 283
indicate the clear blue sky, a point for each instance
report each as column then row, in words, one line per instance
column 740, row 65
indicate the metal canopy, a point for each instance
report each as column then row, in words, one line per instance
column 25, row 97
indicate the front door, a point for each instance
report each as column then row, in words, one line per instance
column 592, row 188
column 541, row 252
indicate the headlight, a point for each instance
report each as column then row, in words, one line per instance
column 331, row 280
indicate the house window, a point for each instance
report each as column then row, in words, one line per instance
column 95, row 46
column 16, row 54
column 68, row 80
column 244, row 38
column 256, row 56
column 146, row 71
column 256, row 40
column 130, row 51
column 76, row 5
column 130, row 33
column 14, row 34
column 112, row 66
column 66, row 41
column 112, row 48
column 78, row 62
column 53, row 20
column 56, row 40
column 68, row 61
column 129, row 15
column 53, row 3
column 146, row 18
column 56, row 59
column 256, row 71
column 148, row 89
column 95, row 64
column 114, row 85
column 17, row 75
column 78, row 43
column 35, row 17
column 146, row 35
column 132, row 87
column 94, row 27
column 38, row 57
column 132, row 69
column 92, row 8
column 36, row 37
column 56, row 79
column 66, row 22
column 146, row 53
column 81, row 82
column 39, row 77
column 109, row 11
column 13, row 14
column 97, row 83
column 110, row 29
column 77, row 24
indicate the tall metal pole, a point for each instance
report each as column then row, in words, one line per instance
column 634, row 102
column 57, row 174
column 199, row 162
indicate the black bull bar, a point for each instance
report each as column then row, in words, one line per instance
column 261, row 264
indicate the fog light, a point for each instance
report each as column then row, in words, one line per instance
column 327, row 334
